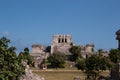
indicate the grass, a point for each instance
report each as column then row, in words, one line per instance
column 62, row 74
column 59, row 75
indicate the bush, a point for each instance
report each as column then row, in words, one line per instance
column 57, row 59
column 62, row 65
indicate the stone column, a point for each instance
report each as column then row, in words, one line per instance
column 64, row 38
column 119, row 44
column 118, row 38
column 60, row 40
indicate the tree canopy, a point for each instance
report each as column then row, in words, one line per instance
column 25, row 56
column 57, row 59
column 76, row 52
column 93, row 65
column 10, row 67
column 114, row 55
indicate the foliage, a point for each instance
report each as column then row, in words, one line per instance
column 10, row 67
column 25, row 56
column 114, row 55
column 96, row 63
column 81, row 64
column 62, row 65
column 57, row 59
column 93, row 65
column 75, row 50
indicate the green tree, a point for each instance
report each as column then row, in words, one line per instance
column 100, row 51
column 114, row 55
column 57, row 59
column 93, row 65
column 81, row 64
column 76, row 52
column 10, row 67
column 25, row 56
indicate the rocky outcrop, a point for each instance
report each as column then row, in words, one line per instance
column 29, row 75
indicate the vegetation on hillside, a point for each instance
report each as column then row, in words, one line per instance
column 11, row 67
column 93, row 65
column 25, row 56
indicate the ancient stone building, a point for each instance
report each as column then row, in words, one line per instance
column 39, row 54
column 61, row 43
column 87, row 50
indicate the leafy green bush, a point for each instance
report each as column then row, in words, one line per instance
column 57, row 59
column 10, row 66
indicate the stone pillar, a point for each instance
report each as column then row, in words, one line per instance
column 55, row 39
column 119, row 44
column 69, row 39
column 64, row 38
column 60, row 40
column 118, row 38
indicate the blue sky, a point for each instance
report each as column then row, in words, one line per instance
column 27, row 22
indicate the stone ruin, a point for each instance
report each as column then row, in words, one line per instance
column 118, row 38
column 29, row 75
column 61, row 43
column 39, row 54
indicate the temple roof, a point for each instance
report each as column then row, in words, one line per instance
column 118, row 32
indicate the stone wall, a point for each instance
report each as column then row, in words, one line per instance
column 61, row 43
column 39, row 54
